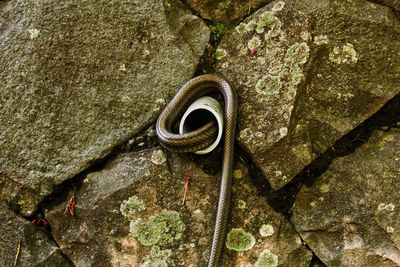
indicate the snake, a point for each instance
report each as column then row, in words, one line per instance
column 202, row 137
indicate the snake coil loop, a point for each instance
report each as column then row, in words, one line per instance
column 202, row 137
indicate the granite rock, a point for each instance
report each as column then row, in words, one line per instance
column 307, row 73
column 276, row 243
column 350, row 216
column 79, row 78
column 131, row 213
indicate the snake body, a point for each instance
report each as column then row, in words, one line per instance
column 202, row 137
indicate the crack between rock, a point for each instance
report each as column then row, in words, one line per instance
column 282, row 200
column 388, row 236
column 250, row 12
column 315, row 260
column 218, row 30
column 61, row 192
column 184, row 2
column 46, row 230
column 142, row 141
column 51, row 237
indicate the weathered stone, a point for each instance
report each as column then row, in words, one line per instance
column 131, row 213
column 35, row 248
column 79, row 78
column 226, row 11
column 351, row 215
column 307, row 73
column 276, row 242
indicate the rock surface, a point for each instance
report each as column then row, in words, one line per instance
column 307, row 73
column 351, row 215
column 36, row 249
column 275, row 241
column 79, row 78
column 225, row 11
column 131, row 214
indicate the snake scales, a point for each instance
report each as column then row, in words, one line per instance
column 202, row 137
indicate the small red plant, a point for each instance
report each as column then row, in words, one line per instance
column 187, row 177
column 253, row 51
column 40, row 221
column 70, row 208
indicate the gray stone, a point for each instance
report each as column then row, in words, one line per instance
column 36, row 249
column 225, row 11
column 79, row 78
column 131, row 214
column 276, row 242
column 351, row 215
column 307, row 73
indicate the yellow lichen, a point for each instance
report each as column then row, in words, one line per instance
column 238, row 174
column 266, row 230
column 321, row 40
column 267, row 259
column 241, row 204
column 33, row 33
column 269, row 85
column 253, row 43
column 158, row 157
column 220, row 54
column 324, row 188
column 345, row 54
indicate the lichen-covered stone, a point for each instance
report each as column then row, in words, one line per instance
column 36, row 249
column 130, row 206
column 79, row 78
column 267, row 259
column 305, row 80
column 257, row 235
column 351, row 215
column 161, row 229
column 131, row 213
column 226, row 11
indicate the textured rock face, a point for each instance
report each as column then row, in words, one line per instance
column 226, row 11
column 275, row 243
column 350, row 216
column 35, row 247
column 78, row 78
column 131, row 214
column 307, row 73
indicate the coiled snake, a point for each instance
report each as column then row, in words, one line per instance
column 202, row 137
